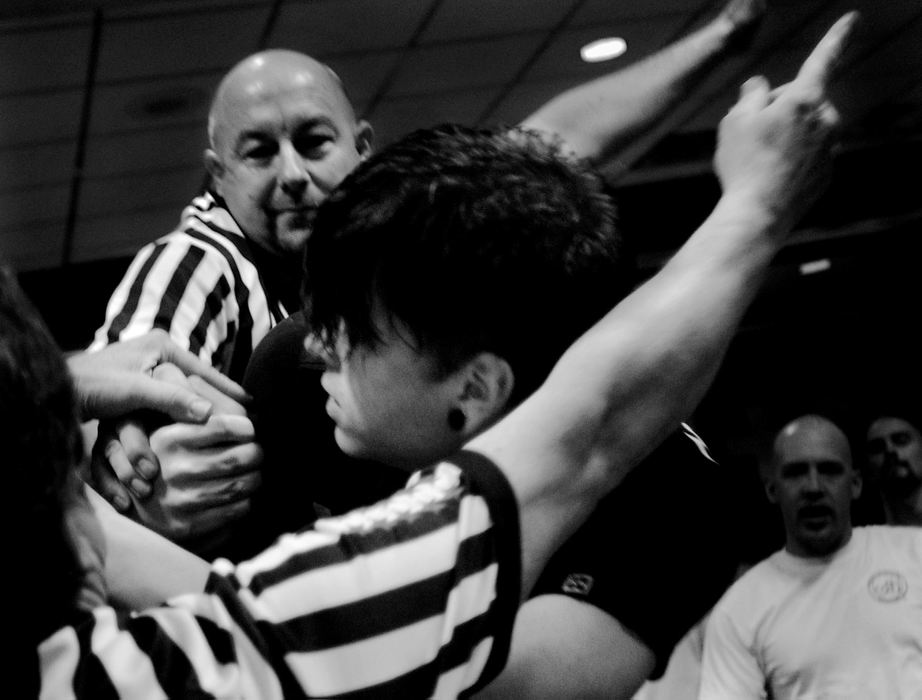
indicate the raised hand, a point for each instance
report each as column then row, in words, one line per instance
column 774, row 146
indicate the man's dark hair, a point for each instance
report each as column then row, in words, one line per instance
column 42, row 445
column 475, row 240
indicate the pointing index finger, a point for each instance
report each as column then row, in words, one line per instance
column 817, row 69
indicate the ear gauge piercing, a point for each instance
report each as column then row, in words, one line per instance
column 456, row 419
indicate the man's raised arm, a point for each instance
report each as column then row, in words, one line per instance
column 600, row 118
column 639, row 371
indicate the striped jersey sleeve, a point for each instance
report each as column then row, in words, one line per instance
column 199, row 284
column 413, row 597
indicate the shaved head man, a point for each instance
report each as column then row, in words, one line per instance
column 282, row 135
column 813, row 482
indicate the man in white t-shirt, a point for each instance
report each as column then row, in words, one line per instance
column 836, row 613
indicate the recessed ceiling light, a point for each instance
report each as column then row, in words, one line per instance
column 814, row 266
column 603, row 49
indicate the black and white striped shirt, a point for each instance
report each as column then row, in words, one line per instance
column 202, row 284
column 413, row 597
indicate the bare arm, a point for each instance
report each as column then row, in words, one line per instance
column 643, row 368
column 598, row 119
column 142, row 568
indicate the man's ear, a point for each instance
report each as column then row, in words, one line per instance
column 487, row 386
column 770, row 490
column 215, row 169
column 857, row 484
column 364, row 138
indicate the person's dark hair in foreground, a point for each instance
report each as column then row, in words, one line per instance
column 522, row 270
column 42, row 441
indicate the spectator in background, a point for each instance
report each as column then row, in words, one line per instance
column 835, row 613
column 893, row 454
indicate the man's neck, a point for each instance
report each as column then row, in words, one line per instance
column 906, row 510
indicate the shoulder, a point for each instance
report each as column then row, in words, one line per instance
column 901, row 538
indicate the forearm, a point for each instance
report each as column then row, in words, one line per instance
column 599, row 118
column 144, row 569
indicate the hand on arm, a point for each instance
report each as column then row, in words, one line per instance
column 199, row 477
column 208, row 475
column 136, row 385
column 118, row 379
column 643, row 368
column 599, row 118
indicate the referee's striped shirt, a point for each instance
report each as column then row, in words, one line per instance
column 414, row 597
column 201, row 284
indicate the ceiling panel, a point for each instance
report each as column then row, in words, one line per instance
column 36, row 165
column 31, row 58
column 442, row 68
column 595, row 11
column 178, row 43
column 152, row 103
column 35, row 207
column 148, row 150
column 397, row 116
column 477, row 19
column 34, row 247
column 140, row 191
column 327, row 27
column 38, row 118
column 364, row 74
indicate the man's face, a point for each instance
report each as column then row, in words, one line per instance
column 388, row 402
column 813, row 484
column 894, row 454
column 283, row 141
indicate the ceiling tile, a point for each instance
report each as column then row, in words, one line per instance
column 325, row 27
column 363, row 74
column 442, row 68
column 396, row 117
column 174, row 147
column 142, row 191
column 33, row 248
column 180, row 43
column 152, row 103
column 595, row 11
column 525, row 98
column 42, row 117
column 34, row 207
column 36, row 165
column 32, row 58
column 467, row 19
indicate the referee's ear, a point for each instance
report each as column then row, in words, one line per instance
column 215, row 169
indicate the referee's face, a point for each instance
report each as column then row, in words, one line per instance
column 284, row 136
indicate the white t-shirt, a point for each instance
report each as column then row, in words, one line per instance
column 847, row 626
